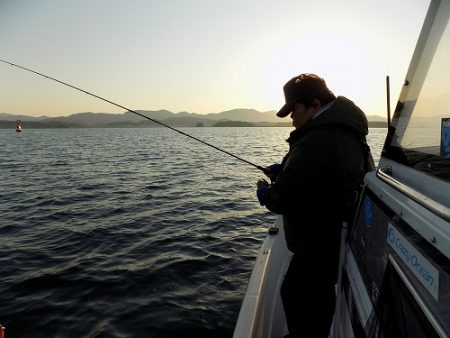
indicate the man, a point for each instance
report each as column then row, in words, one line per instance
column 314, row 189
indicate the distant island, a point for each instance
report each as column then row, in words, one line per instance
column 231, row 118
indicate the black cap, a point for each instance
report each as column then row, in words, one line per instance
column 303, row 88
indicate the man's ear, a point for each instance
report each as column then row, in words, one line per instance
column 316, row 104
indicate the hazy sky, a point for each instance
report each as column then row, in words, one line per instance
column 202, row 56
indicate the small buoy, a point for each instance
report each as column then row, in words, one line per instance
column 18, row 129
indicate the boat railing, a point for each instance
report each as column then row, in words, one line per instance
column 428, row 203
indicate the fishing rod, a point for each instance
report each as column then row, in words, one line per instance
column 135, row 112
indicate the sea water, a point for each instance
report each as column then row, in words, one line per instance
column 131, row 232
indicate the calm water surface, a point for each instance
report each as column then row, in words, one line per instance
column 131, row 232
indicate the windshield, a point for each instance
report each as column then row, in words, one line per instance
column 420, row 133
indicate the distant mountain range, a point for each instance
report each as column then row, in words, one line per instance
column 235, row 117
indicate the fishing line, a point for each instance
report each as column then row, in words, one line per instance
column 135, row 112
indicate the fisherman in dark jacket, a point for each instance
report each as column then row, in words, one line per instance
column 315, row 189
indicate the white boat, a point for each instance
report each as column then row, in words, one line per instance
column 394, row 272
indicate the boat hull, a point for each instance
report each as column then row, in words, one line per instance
column 262, row 314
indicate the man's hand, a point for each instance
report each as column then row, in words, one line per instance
column 263, row 187
column 273, row 170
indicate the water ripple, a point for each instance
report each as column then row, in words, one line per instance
column 106, row 236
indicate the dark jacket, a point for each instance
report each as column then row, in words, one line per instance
column 320, row 174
